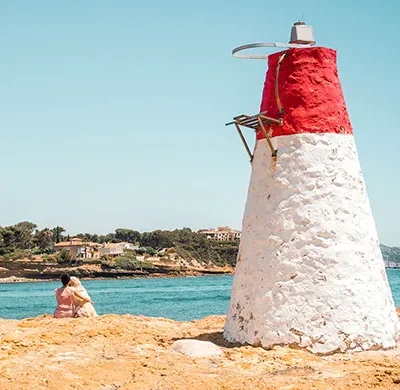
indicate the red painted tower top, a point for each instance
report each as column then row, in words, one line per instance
column 309, row 90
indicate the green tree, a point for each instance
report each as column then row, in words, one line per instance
column 57, row 233
column 157, row 239
column 24, row 234
column 88, row 237
column 63, row 257
column 44, row 240
column 17, row 237
column 101, row 239
column 110, row 237
column 127, row 235
column 7, row 240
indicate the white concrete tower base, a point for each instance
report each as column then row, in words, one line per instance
column 310, row 271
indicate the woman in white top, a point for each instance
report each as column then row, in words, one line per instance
column 83, row 308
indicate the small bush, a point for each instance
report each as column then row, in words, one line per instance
column 127, row 262
column 108, row 261
column 151, row 251
column 18, row 255
column 63, row 257
column 46, row 258
column 146, row 265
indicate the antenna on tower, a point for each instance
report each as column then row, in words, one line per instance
column 301, row 36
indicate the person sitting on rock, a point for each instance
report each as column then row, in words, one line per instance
column 83, row 304
column 65, row 299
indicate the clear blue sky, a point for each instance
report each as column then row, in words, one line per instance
column 112, row 112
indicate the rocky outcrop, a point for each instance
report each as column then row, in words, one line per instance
column 14, row 271
column 127, row 352
column 16, row 279
column 391, row 256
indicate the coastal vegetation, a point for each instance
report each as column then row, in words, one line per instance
column 25, row 240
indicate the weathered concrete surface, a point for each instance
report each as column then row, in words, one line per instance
column 310, row 271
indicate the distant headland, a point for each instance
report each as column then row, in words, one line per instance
column 31, row 254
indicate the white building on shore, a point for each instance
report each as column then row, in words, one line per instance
column 223, row 233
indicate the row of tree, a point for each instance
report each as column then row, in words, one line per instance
column 25, row 236
column 120, row 235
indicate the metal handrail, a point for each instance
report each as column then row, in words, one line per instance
column 238, row 49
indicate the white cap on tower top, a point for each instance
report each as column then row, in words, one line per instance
column 302, row 34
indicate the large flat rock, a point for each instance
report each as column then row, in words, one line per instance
column 196, row 348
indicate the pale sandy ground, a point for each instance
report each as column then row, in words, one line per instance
column 126, row 352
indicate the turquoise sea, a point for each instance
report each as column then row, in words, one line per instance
column 177, row 298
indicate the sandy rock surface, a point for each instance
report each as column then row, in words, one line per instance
column 127, row 352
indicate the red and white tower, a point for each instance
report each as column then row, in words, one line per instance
column 309, row 271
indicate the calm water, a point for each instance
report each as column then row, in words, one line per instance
column 177, row 298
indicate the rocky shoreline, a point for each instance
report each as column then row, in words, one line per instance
column 14, row 279
column 41, row 272
column 133, row 352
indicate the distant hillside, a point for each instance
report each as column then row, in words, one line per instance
column 391, row 255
